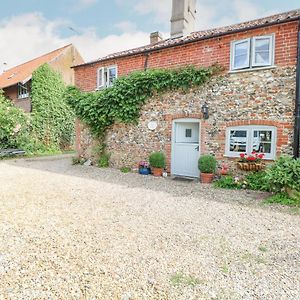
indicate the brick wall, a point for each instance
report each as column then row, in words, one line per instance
column 201, row 53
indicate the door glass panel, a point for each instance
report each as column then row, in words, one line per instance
column 262, row 141
column 187, row 133
column 238, row 141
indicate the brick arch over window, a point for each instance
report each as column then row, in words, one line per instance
column 283, row 129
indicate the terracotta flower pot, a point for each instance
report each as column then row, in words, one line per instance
column 206, row 177
column 224, row 171
column 157, row 172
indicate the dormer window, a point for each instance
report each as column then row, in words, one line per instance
column 106, row 76
column 252, row 53
column 22, row 91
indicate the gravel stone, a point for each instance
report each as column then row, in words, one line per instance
column 78, row 232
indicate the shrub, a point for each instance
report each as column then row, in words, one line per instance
column 284, row 175
column 103, row 161
column 284, row 199
column 157, row 160
column 207, row 164
column 256, row 181
column 14, row 125
column 227, row 182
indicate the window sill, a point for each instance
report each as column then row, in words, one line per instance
column 252, row 69
column 23, row 98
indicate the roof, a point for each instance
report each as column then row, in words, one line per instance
column 205, row 34
column 22, row 73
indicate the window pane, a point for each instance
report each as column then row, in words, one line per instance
column 238, row 140
column 112, row 74
column 241, row 55
column 262, row 51
column 262, row 44
column 100, row 77
column 262, row 141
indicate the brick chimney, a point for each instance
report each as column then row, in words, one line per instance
column 183, row 17
column 155, row 37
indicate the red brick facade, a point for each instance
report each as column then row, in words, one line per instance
column 201, row 53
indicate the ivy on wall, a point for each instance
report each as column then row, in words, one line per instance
column 123, row 101
column 52, row 118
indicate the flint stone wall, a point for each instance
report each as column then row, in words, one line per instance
column 262, row 97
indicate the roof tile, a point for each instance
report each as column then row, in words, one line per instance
column 204, row 34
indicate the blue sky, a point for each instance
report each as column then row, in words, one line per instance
column 98, row 27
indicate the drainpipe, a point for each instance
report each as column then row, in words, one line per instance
column 297, row 104
column 146, row 61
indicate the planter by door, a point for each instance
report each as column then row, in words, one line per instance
column 185, row 147
column 157, row 172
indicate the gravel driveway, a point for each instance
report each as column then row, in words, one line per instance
column 76, row 232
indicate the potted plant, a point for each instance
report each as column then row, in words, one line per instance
column 207, row 166
column 144, row 168
column 224, row 169
column 157, row 162
column 252, row 162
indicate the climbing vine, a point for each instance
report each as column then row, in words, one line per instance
column 123, row 101
column 52, row 118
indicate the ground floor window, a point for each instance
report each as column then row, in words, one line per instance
column 246, row 139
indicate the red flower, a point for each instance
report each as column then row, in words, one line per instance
column 261, row 156
column 253, row 152
column 242, row 155
column 251, row 158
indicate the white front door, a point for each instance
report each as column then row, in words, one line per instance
column 185, row 147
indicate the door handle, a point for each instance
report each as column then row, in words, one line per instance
column 197, row 148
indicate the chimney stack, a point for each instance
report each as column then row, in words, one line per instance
column 183, row 17
column 155, row 37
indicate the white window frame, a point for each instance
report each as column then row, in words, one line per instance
column 22, row 91
column 101, row 82
column 251, row 53
column 233, row 46
column 249, row 142
column 271, row 56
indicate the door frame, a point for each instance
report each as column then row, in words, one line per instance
column 182, row 120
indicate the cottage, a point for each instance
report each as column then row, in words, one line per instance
column 249, row 107
column 16, row 82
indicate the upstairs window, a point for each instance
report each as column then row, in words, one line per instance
column 252, row 53
column 106, row 76
column 246, row 139
column 22, row 91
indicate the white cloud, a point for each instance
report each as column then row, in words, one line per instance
column 87, row 2
column 27, row 36
column 126, row 26
column 209, row 12
column 162, row 10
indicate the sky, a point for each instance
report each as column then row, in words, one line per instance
column 29, row 28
